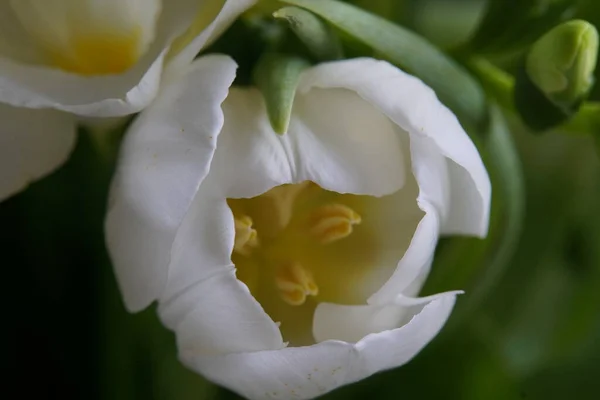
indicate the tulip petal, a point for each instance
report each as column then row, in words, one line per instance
column 34, row 86
column 390, row 349
column 32, row 144
column 332, row 148
column 307, row 372
column 415, row 262
column 346, row 144
column 414, row 107
column 38, row 86
column 203, row 301
column 164, row 158
column 203, row 244
column 352, row 323
column 209, row 32
column 290, row 373
column 218, row 315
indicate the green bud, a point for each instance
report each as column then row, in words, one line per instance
column 561, row 63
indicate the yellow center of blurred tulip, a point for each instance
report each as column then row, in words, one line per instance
column 86, row 37
column 298, row 245
column 99, row 54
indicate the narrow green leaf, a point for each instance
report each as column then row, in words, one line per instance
column 276, row 76
column 453, row 84
column 313, row 32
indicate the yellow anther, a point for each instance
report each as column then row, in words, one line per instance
column 295, row 283
column 333, row 222
column 246, row 237
column 283, row 198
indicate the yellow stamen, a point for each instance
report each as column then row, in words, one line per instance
column 283, row 198
column 333, row 222
column 246, row 237
column 294, row 283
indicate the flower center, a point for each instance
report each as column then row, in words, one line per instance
column 88, row 37
column 99, row 54
column 299, row 245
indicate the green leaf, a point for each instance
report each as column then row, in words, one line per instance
column 276, row 76
column 511, row 25
column 313, row 32
column 453, row 85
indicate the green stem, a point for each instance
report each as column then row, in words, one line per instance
column 497, row 82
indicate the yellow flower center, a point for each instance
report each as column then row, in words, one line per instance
column 298, row 245
column 99, row 54
column 86, row 37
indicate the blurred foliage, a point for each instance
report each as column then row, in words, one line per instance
column 510, row 25
column 535, row 334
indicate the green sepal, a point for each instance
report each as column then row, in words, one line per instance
column 277, row 76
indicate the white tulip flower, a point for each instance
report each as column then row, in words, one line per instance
column 288, row 265
column 91, row 58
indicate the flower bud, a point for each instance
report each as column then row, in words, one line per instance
column 562, row 62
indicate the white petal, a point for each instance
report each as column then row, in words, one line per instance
column 352, row 323
column 430, row 169
column 249, row 160
column 218, row 315
column 307, row 372
column 413, row 106
column 203, row 244
column 208, row 31
column 211, row 310
column 345, row 144
column 349, row 149
column 164, row 158
column 290, row 373
column 390, row 349
column 32, row 144
column 416, row 260
column 31, row 86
